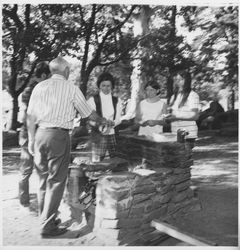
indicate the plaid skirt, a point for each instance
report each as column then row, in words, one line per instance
column 104, row 144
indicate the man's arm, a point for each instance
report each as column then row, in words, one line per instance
column 86, row 109
column 31, row 125
column 96, row 120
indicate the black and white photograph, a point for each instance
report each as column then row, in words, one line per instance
column 119, row 124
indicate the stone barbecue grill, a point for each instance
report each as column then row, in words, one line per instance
column 128, row 196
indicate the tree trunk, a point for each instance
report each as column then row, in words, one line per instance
column 15, row 110
column 137, row 78
column 169, row 87
column 84, row 81
column 231, row 100
column 172, row 38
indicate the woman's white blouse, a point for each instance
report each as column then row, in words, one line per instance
column 151, row 111
column 191, row 103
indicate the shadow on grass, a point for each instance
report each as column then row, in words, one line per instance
column 10, row 164
column 217, row 221
column 206, row 139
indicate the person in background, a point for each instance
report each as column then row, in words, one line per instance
column 210, row 117
column 109, row 107
column 184, row 106
column 151, row 111
column 42, row 72
column 52, row 107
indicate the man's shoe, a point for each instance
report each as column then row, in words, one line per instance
column 57, row 222
column 24, row 208
column 25, row 204
column 54, row 232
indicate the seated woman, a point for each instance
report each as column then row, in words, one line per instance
column 185, row 107
column 151, row 111
column 210, row 118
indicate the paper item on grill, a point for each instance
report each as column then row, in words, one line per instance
column 164, row 137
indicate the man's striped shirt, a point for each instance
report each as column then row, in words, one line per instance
column 55, row 103
column 190, row 126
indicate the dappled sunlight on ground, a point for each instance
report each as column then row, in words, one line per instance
column 214, row 174
column 216, row 161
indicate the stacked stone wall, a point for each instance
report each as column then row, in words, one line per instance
column 127, row 202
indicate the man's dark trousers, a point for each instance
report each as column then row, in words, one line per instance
column 52, row 155
column 26, row 168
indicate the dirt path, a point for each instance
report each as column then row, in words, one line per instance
column 215, row 174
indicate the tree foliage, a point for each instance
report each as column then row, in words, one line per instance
column 102, row 38
column 216, row 48
column 44, row 31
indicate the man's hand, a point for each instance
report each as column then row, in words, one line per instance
column 143, row 124
column 152, row 123
column 110, row 123
column 171, row 118
column 31, row 147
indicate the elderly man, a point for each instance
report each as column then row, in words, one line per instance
column 53, row 106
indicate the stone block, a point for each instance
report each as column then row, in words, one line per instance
column 141, row 181
column 114, row 204
column 147, row 229
column 108, row 223
column 179, row 196
column 108, row 234
column 174, row 161
column 129, row 238
column 158, row 182
column 170, row 180
column 124, row 204
column 182, row 178
column 112, row 194
column 117, row 180
column 166, row 162
column 118, row 195
column 192, row 205
column 164, row 189
column 181, row 170
column 173, row 208
column 151, row 236
column 136, row 212
column 157, row 204
column 190, row 193
column 186, row 164
column 157, row 163
column 137, row 198
column 148, row 206
column 164, row 171
column 182, row 185
column 159, row 199
column 144, row 172
column 156, row 214
column 143, row 203
column 145, row 189
column 110, row 213
column 130, row 222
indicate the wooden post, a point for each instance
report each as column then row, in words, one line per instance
column 183, row 236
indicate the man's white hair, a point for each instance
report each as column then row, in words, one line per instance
column 58, row 64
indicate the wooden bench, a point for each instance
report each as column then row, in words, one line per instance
column 175, row 232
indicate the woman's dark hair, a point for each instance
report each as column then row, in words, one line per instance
column 42, row 68
column 153, row 85
column 105, row 77
column 186, row 87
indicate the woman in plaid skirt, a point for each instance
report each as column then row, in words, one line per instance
column 108, row 107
